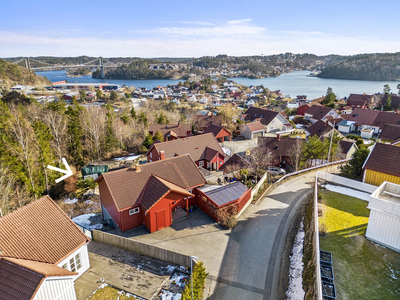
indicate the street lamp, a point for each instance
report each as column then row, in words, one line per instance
column 191, row 271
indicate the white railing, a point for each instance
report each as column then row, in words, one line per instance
column 317, row 254
column 313, row 168
column 354, row 184
column 262, row 180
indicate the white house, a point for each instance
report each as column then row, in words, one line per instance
column 384, row 219
column 192, row 98
column 41, row 245
column 273, row 121
column 316, row 112
column 250, row 103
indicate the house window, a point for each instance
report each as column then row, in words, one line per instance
column 221, row 162
column 151, row 155
column 74, row 263
column 201, row 163
column 65, row 266
column 134, row 211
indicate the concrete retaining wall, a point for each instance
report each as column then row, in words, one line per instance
column 142, row 248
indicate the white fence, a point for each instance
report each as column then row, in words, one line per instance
column 356, row 185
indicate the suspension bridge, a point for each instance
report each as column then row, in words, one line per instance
column 42, row 66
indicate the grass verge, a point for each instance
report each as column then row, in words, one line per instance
column 362, row 269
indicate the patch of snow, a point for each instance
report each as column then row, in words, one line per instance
column 70, row 201
column 170, row 268
column 130, row 157
column 299, row 126
column 227, row 151
column 183, row 269
column 295, row 289
column 88, row 201
column 347, row 191
column 179, row 279
column 84, row 221
column 167, row 295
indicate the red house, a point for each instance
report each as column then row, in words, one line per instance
column 148, row 194
column 220, row 133
column 203, row 149
column 171, row 131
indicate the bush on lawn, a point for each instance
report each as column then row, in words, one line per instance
column 199, row 282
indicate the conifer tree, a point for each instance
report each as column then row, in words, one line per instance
column 75, row 131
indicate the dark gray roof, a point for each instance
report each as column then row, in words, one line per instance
column 226, row 193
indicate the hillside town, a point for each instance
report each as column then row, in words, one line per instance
column 198, row 154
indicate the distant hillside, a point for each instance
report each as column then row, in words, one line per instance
column 377, row 66
column 12, row 74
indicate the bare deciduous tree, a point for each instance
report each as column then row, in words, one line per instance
column 58, row 127
column 295, row 153
column 25, row 146
column 93, row 121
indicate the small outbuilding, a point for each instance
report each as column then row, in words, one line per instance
column 252, row 130
column 212, row 198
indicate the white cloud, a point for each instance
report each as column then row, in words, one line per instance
column 193, row 39
column 235, row 22
column 238, row 28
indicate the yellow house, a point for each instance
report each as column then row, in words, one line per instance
column 382, row 164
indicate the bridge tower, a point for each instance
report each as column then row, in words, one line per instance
column 27, row 63
column 101, row 67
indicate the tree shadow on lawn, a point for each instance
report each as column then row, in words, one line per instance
column 363, row 269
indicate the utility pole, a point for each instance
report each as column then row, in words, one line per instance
column 330, row 146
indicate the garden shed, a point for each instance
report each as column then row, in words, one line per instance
column 212, row 198
column 384, row 220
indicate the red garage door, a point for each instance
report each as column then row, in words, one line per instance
column 160, row 219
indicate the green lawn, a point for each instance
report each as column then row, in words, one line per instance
column 362, row 269
column 110, row 293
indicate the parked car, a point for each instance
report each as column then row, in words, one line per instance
column 276, row 171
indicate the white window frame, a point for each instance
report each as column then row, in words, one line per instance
column 151, row 155
column 133, row 211
column 201, row 163
column 74, row 263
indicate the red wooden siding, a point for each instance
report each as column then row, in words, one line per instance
column 244, row 199
column 131, row 221
column 108, row 203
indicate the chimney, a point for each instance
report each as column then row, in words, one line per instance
column 137, row 168
column 162, row 155
column 179, row 124
column 278, row 137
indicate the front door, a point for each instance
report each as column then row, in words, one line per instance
column 160, row 219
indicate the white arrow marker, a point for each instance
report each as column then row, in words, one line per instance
column 67, row 172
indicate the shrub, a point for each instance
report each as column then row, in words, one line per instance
column 231, row 222
column 199, row 282
column 225, row 214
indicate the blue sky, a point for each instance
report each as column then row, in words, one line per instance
column 192, row 28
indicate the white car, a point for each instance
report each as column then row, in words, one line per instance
column 276, row 171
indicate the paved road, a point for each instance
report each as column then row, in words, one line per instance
column 251, row 264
